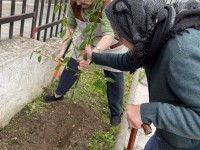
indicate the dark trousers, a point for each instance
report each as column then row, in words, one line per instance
column 152, row 143
column 115, row 91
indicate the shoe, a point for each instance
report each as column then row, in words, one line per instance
column 115, row 120
column 52, row 98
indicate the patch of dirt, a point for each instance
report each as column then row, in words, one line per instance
column 62, row 126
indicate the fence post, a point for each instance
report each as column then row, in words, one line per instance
column 0, row 16
column 12, row 12
column 36, row 5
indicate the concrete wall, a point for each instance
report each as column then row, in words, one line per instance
column 22, row 79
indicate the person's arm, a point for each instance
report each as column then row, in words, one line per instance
column 107, row 35
column 104, row 43
column 123, row 62
column 183, row 80
column 71, row 26
column 66, row 39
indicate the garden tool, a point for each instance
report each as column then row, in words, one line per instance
column 47, row 90
column 147, row 130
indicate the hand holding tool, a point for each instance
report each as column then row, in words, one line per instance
column 147, row 130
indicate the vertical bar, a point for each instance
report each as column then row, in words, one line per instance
column 65, row 9
column 0, row 16
column 22, row 21
column 40, row 19
column 36, row 4
column 59, row 13
column 47, row 19
column 53, row 18
column 12, row 12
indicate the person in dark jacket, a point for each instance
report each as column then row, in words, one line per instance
column 165, row 40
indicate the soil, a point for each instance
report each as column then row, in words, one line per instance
column 61, row 126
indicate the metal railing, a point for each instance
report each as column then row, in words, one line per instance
column 52, row 22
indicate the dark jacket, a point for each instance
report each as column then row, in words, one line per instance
column 174, row 90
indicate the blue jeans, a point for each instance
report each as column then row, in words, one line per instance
column 115, row 91
column 152, row 144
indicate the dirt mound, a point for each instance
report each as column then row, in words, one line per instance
column 62, row 126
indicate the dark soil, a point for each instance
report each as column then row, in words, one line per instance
column 61, row 126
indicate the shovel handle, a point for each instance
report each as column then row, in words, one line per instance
column 147, row 130
column 57, row 69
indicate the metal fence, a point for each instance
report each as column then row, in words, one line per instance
column 43, row 20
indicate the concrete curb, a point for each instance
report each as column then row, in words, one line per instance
column 123, row 136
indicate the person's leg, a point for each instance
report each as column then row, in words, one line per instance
column 67, row 79
column 152, row 143
column 115, row 94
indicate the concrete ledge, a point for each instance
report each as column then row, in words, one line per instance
column 22, row 79
column 123, row 136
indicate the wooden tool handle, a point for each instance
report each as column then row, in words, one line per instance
column 147, row 129
column 132, row 138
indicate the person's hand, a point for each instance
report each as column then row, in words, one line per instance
column 83, row 64
column 88, row 51
column 133, row 116
column 59, row 56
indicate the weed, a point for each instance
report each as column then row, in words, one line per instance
column 103, row 140
column 36, row 106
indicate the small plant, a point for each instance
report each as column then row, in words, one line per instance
column 36, row 106
column 103, row 140
column 99, row 81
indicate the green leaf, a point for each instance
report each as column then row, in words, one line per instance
column 66, row 60
column 100, row 5
column 94, row 26
column 31, row 54
column 98, row 84
column 39, row 58
column 97, row 73
column 93, row 18
column 56, row 8
column 89, row 11
column 87, row 28
column 110, row 80
column 64, row 21
column 92, row 40
column 82, row 46
column 62, row 34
